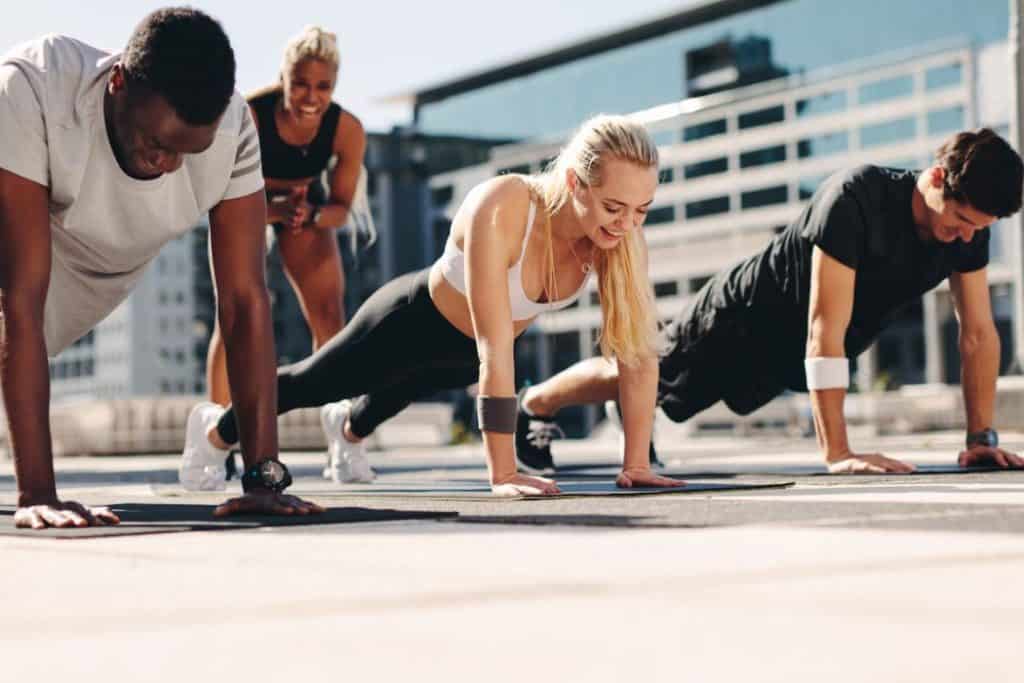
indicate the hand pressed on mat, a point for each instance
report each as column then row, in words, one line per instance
column 867, row 463
column 266, row 503
column 62, row 514
column 979, row 455
column 524, row 485
column 643, row 477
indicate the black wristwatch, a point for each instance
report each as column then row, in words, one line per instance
column 266, row 475
column 986, row 437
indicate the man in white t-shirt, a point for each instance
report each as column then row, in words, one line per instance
column 106, row 158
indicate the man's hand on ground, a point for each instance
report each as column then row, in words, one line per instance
column 868, row 463
column 643, row 477
column 62, row 514
column 981, row 456
column 266, row 503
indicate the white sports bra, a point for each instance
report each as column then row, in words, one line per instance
column 453, row 267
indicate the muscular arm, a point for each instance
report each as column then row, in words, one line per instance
column 243, row 309
column 829, row 313
column 349, row 147
column 490, row 249
column 24, row 280
column 979, row 346
column 830, row 308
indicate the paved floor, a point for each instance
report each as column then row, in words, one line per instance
column 892, row 578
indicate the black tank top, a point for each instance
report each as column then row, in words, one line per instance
column 291, row 162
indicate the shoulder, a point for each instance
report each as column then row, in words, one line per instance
column 506, row 197
column 349, row 127
column 234, row 121
column 264, row 96
column 56, row 64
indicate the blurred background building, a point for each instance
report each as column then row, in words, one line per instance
column 752, row 104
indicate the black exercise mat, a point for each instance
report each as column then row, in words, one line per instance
column 570, row 489
column 600, row 471
column 156, row 518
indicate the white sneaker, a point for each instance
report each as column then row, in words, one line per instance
column 202, row 465
column 346, row 461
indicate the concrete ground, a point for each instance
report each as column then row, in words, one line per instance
column 838, row 578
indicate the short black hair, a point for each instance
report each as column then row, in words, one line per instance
column 183, row 55
column 983, row 171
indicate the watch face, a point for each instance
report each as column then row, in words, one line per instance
column 272, row 471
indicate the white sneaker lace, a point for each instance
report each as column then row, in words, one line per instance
column 542, row 432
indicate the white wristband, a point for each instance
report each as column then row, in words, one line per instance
column 827, row 373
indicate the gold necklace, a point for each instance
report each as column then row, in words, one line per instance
column 585, row 267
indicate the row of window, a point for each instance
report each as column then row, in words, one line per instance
column 69, row 369
column 831, row 102
column 937, row 122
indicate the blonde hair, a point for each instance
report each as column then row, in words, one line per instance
column 629, row 326
column 312, row 43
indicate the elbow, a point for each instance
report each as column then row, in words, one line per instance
column 824, row 341
column 238, row 307
column 980, row 340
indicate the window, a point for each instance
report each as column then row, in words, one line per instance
column 778, row 194
column 763, row 156
column 698, row 282
column 823, row 145
column 663, row 214
column 945, row 120
column 665, row 176
column 762, row 117
column 806, row 187
column 943, row 76
column 440, row 196
column 707, row 129
column 670, row 288
column 519, row 168
column 888, row 132
column 825, row 103
column 886, row 89
column 706, row 167
column 707, row 207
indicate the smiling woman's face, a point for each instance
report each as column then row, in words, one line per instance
column 610, row 211
column 308, row 87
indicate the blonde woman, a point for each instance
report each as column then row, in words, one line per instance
column 519, row 246
column 300, row 131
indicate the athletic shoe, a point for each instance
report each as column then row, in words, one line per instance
column 346, row 461
column 202, row 465
column 533, row 440
column 611, row 410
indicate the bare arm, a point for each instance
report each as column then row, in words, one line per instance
column 830, row 309
column 491, row 245
column 350, row 147
column 243, row 309
column 638, row 398
column 979, row 356
column 24, row 281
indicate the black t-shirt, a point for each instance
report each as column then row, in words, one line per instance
column 863, row 218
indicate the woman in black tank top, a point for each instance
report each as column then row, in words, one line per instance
column 300, row 131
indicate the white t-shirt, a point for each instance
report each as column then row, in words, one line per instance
column 106, row 226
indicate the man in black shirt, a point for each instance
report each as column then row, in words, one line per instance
column 870, row 240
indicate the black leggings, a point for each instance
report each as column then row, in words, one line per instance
column 396, row 349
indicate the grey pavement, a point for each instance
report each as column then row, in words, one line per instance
column 901, row 578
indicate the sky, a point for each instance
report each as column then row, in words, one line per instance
column 388, row 47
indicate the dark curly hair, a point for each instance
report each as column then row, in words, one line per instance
column 183, row 55
column 983, row 171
